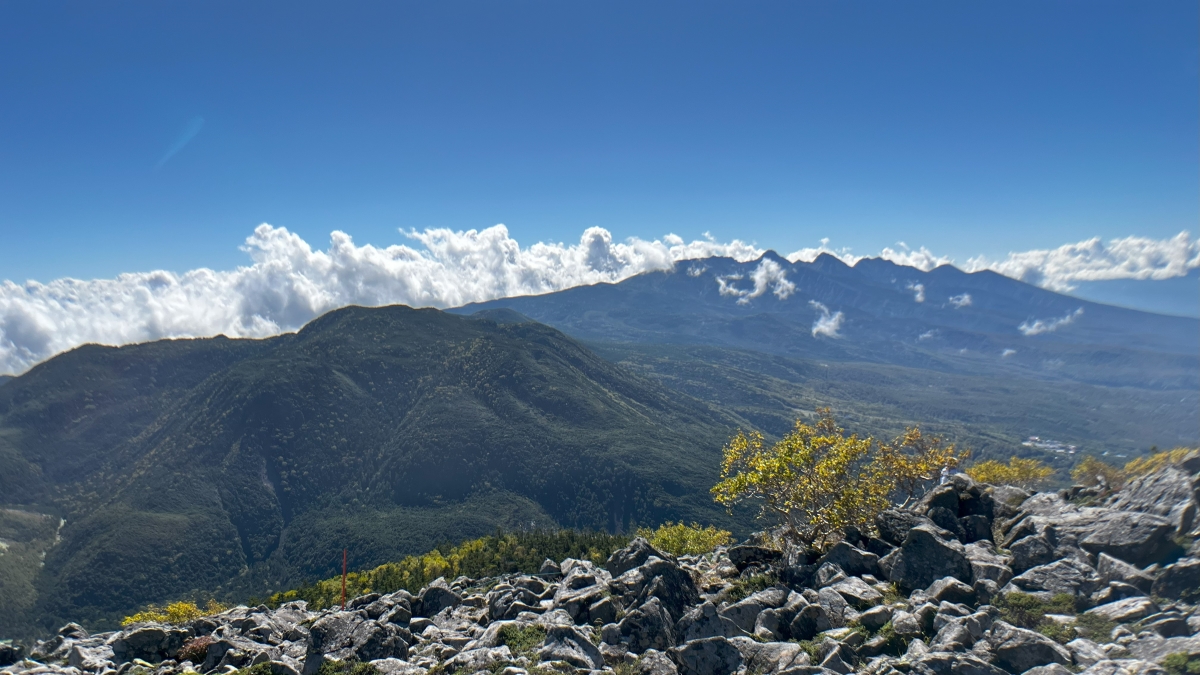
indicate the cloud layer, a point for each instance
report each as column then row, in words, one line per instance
column 287, row 282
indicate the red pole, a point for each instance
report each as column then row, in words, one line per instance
column 343, row 580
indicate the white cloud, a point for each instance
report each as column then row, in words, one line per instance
column 1006, row 353
column 960, row 301
column 288, row 283
column 1094, row 260
column 918, row 291
column 926, row 335
column 827, row 324
column 1039, row 326
column 1056, row 269
column 769, row 275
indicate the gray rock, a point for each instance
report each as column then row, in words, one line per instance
column 1136, row 538
column 827, row 574
column 95, row 658
column 947, row 520
column 1062, row 576
column 705, row 621
column 744, row 556
column 397, row 667
column 770, row 657
column 894, row 524
column 949, row 589
column 986, row 563
column 851, row 560
column 343, row 636
column 1179, row 581
column 1112, row 569
column 1125, row 611
column 710, row 656
column 435, row 597
column 857, row 593
column 657, row 578
column 568, row 644
column 654, row 662
column 1084, row 652
column 550, row 568
column 924, row 558
column 953, row 663
column 1031, row 551
column 1168, row 492
column 475, row 660
column 809, row 620
column 1052, row 669
column 151, row 643
column 1124, row 667
column 634, row 555
column 1018, row 649
column 648, row 627
column 10, row 654
column 835, row 607
column 875, row 618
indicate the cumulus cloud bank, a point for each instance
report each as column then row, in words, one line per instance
column 287, row 282
column 1039, row 326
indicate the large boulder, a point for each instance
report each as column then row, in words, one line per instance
column 953, row 663
column 853, row 561
column 1136, row 538
column 349, row 636
column 569, row 645
column 710, row 656
column 1061, row 576
column 1179, row 581
column 647, row 627
column 894, row 524
column 704, row 622
column 1125, row 611
column 148, row 642
column 1169, row 492
column 657, row 578
column 1018, row 650
column 634, row 555
column 434, row 598
column 925, row 557
column 1111, row 569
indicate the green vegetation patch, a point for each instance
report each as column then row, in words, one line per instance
column 1180, row 663
column 744, row 588
column 680, row 539
column 522, row 639
column 518, row 552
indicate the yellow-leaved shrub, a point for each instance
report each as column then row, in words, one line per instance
column 1151, row 463
column 681, row 539
column 817, row 480
column 1024, row 473
column 1091, row 471
column 174, row 613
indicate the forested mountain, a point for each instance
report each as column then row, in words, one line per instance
column 980, row 357
column 245, row 465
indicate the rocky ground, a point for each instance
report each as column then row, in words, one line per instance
column 935, row 592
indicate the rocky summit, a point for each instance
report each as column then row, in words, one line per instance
column 972, row 579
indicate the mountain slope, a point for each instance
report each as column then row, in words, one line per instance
column 962, row 354
column 247, row 465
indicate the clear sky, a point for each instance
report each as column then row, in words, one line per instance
column 140, row 135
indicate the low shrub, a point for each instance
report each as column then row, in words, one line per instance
column 1027, row 611
column 522, row 640
column 1095, row 628
column 680, row 539
column 1025, row 473
column 195, row 650
column 174, row 613
column 335, row 668
column 744, row 588
column 1180, row 663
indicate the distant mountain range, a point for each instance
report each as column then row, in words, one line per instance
column 981, row 357
column 245, row 466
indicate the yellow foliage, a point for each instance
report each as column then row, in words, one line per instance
column 680, row 539
column 1093, row 471
column 174, row 613
column 1026, row 473
column 817, row 480
column 1146, row 465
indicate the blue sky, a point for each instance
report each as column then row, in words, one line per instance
column 146, row 135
